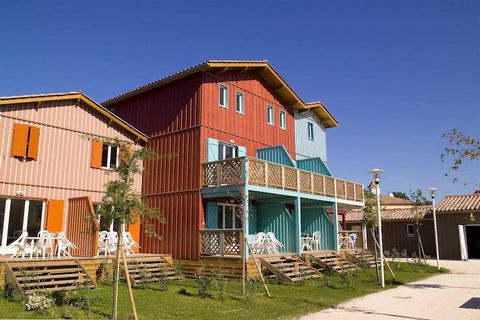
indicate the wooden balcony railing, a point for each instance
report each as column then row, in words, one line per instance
column 221, row 242
column 274, row 175
column 344, row 242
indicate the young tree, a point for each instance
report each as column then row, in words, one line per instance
column 461, row 148
column 370, row 219
column 418, row 213
column 122, row 205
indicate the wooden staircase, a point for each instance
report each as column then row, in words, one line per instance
column 150, row 269
column 289, row 268
column 361, row 257
column 328, row 261
column 53, row 275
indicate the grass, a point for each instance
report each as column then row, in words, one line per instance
column 181, row 300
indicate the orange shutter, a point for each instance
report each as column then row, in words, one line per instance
column 96, row 158
column 54, row 215
column 19, row 140
column 33, row 139
column 135, row 230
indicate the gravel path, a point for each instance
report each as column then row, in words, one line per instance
column 445, row 296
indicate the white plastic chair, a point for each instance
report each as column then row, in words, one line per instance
column 21, row 246
column 315, row 242
column 44, row 244
column 352, row 239
column 275, row 245
column 64, row 245
column 104, row 245
column 259, row 242
column 129, row 243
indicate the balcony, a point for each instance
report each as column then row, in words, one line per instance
column 221, row 242
column 238, row 171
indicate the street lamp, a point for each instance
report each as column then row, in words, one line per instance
column 432, row 193
column 376, row 176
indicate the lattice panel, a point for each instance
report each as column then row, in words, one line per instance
column 210, row 242
column 305, row 182
column 329, row 187
column 256, row 172
column 340, row 189
column 291, row 178
column 232, row 242
column 318, row 187
column 232, row 171
column 358, row 192
column 210, row 174
column 350, row 188
column 274, row 175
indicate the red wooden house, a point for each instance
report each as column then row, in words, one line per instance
column 231, row 125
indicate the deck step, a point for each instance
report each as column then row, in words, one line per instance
column 329, row 262
column 54, row 275
column 150, row 269
column 289, row 268
column 361, row 257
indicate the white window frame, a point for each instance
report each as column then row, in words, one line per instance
column 224, row 147
column 240, row 110
column 270, row 115
column 235, row 206
column 310, row 131
column 109, row 155
column 283, row 120
column 408, row 233
column 220, row 87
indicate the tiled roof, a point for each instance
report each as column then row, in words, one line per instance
column 388, row 200
column 464, row 202
column 400, row 214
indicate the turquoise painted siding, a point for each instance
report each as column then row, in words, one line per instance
column 316, row 219
column 242, row 151
column 276, row 154
column 275, row 218
column 211, row 220
column 252, row 221
column 304, row 147
column 212, row 149
column 314, row 165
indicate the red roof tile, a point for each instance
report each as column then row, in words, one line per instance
column 462, row 202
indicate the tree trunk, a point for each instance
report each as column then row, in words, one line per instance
column 372, row 231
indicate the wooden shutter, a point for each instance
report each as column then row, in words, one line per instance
column 33, row 139
column 54, row 215
column 96, row 157
column 134, row 229
column 19, row 140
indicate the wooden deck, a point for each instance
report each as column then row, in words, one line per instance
column 328, row 261
column 288, row 268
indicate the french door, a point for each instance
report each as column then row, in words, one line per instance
column 17, row 216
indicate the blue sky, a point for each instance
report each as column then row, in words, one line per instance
column 396, row 74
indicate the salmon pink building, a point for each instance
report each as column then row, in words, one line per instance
column 51, row 175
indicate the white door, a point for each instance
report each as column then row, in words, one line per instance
column 462, row 235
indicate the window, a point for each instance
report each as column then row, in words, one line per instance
column 109, row 156
column 229, row 216
column 410, row 230
column 270, row 115
column 310, row 131
column 25, row 141
column 283, row 120
column 227, row 151
column 223, row 96
column 239, row 102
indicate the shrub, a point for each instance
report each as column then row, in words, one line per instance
column 346, row 277
column 104, row 274
column 220, row 280
column 38, row 301
column 83, row 297
column 10, row 291
column 203, row 282
column 252, row 286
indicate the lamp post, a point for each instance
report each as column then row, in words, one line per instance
column 432, row 193
column 376, row 176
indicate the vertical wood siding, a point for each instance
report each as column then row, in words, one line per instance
column 304, row 147
column 316, row 219
column 81, row 229
column 448, row 237
column 250, row 129
column 62, row 168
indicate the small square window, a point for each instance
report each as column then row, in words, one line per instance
column 410, row 230
column 283, row 120
column 270, row 115
column 239, row 102
column 223, row 96
column 310, row 131
column 109, row 156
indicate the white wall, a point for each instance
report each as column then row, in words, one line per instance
column 304, row 147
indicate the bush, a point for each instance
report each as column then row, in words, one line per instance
column 104, row 274
column 38, row 301
column 252, row 286
column 220, row 279
column 203, row 282
column 83, row 297
column 10, row 291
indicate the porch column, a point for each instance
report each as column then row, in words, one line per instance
column 246, row 213
column 298, row 225
column 364, row 237
column 335, row 226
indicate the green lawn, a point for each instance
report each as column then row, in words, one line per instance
column 287, row 300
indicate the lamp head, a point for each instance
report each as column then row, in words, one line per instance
column 432, row 192
column 376, row 174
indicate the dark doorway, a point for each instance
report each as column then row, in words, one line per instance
column 473, row 241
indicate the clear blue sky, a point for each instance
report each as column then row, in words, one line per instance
column 396, row 74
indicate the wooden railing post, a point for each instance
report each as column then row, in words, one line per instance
column 311, row 182
column 283, row 177
column 266, row 173
column 221, row 241
column 323, row 183
column 219, row 173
